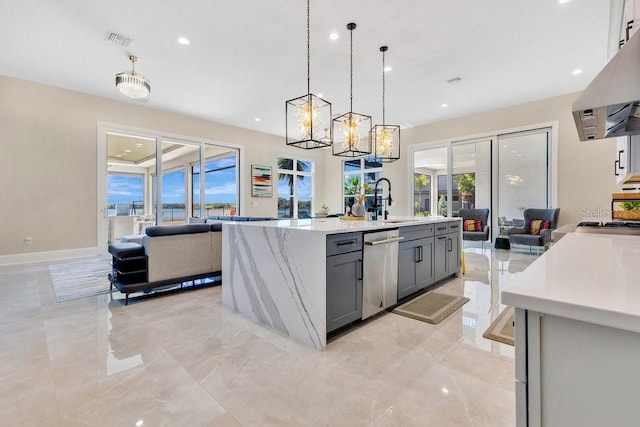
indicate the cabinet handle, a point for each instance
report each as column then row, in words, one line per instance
column 442, row 237
column 441, row 228
column 360, row 269
column 421, row 254
column 450, row 245
column 615, row 167
column 620, row 161
column 346, row 242
column 416, row 254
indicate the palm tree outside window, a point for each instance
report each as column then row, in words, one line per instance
column 295, row 188
column 359, row 177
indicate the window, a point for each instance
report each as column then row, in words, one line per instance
column 356, row 172
column 125, row 189
column 421, row 194
column 295, row 188
column 173, row 196
column 220, row 186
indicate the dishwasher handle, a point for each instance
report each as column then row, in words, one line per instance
column 382, row 242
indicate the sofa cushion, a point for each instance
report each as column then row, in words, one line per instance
column 472, row 225
column 539, row 224
column 126, row 250
column 171, row 230
column 215, row 226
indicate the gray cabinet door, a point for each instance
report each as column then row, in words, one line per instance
column 424, row 264
column 440, row 257
column 408, row 256
column 453, row 253
column 344, row 289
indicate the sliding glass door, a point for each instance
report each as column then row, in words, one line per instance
column 135, row 198
column 523, row 173
column 506, row 173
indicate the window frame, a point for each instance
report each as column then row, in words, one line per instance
column 296, row 173
column 361, row 173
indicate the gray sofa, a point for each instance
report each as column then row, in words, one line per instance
column 523, row 236
column 168, row 254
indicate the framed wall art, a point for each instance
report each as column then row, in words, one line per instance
column 261, row 181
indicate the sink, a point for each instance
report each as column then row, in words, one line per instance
column 398, row 221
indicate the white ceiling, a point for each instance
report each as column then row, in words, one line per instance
column 247, row 57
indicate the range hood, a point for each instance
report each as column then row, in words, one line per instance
column 610, row 105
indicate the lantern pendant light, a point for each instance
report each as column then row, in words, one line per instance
column 352, row 130
column 385, row 138
column 308, row 116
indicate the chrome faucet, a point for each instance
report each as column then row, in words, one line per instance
column 375, row 198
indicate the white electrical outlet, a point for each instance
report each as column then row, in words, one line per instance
column 28, row 240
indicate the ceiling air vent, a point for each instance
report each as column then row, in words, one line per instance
column 118, row 39
column 455, row 80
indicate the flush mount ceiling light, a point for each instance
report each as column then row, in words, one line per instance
column 307, row 115
column 352, row 130
column 131, row 84
column 385, row 138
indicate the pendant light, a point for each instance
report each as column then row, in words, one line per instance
column 132, row 84
column 385, row 138
column 308, row 115
column 352, row 130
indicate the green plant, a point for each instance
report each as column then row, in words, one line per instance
column 630, row 206
column 420, row 182
column 352, row 185
column 324, row 209
column 442, row 206
column 466, row 184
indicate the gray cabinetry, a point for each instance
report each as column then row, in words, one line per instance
column 415, row 260
column 344, row 279
column 447, row 250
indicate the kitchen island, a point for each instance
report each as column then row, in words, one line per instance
column 304, row 277
column 577, row 330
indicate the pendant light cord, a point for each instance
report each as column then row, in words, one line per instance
column 351, row 69
column 383, row 86
column 308, row 47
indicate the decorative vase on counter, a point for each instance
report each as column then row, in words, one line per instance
column 358, row 207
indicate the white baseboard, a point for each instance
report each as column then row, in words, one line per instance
column 35, row 257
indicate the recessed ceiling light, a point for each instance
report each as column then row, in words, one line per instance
column 445, row 391
column 444, row 105
column 320, row 95
column 563, row 1
column 258, row 119
column 118, row 155
column 387, row 68
column 577, row 71
column 138, row 145
column 333, row 36
column 127, row 151
column 184, row 41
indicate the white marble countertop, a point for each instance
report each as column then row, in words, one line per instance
column 588, row 277
column 337, row 225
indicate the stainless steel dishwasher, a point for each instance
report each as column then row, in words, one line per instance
column 380, row 271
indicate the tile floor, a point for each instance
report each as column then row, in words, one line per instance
column 184, row 359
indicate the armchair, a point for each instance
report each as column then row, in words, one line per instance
column 475, row 215
column 524, row 236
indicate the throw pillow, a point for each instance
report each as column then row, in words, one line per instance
column 539, row 224
column 472, row 225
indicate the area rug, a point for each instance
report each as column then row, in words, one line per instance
column 502, row 329
column 432, row 307
column 80, row 279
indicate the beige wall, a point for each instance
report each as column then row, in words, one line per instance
column 49, row 156
column 48, row 174
column 585, row 169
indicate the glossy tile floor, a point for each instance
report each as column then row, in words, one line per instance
column 184, row 359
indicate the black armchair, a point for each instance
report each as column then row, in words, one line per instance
column 476, row 214
column 523, row 236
